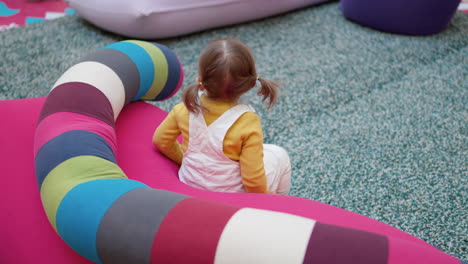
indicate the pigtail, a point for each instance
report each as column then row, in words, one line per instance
column 190, row 98
column 269, row 90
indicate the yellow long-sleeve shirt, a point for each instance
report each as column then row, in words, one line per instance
column 243, row 141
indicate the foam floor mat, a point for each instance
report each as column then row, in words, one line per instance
column 16, row 13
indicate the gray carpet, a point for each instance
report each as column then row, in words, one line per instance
column 375, row 123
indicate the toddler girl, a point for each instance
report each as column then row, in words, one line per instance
column 222, row 147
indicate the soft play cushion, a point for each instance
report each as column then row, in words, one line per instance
column 414, row 17
column 28, row 238
column 148, row 19
column 112, row 198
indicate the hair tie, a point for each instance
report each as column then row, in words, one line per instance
column 258, row 78
column 200, row 83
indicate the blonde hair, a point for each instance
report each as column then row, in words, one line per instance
column 226, row 69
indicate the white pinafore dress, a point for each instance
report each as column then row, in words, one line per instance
column 205, row 166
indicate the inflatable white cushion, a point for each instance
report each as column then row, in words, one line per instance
column 154, row 19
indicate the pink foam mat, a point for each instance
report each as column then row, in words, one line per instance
column 16, row 13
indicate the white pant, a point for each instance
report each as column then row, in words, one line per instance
column 277, row 169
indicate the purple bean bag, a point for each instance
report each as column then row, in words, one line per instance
column 413, row 17
column 149, row 19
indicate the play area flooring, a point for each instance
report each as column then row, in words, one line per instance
column 16, row 13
